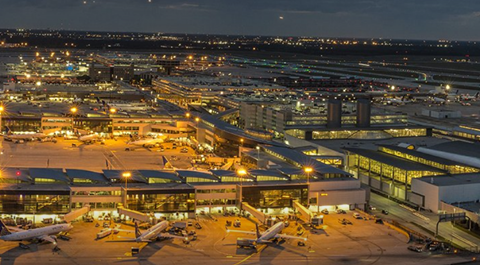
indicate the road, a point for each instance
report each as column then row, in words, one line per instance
column 425, row 219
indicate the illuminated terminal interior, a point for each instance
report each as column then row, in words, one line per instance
column 54, row 191
column 357, row 133
column 390, row 170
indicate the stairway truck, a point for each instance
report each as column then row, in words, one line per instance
column 245, row 243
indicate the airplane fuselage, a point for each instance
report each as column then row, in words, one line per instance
column 36, row 233
column 153, row 232
column 271, row 232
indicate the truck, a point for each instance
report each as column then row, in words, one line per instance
column 245, row 243
column 180, row 225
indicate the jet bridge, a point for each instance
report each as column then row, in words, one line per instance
column 142, row 217
column 69, row 217
column 306, row 213
column 257, row 214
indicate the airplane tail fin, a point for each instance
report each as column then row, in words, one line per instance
column 137, row 230
column 258, row 232
column 3, row 229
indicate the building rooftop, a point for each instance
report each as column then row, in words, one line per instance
column 452, row 180
column 301, row 160
column 415, row 153
column 85, row 174
column 459, row 147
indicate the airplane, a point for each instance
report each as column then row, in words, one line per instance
column 468, row 97
column 270, row 233
column 152, row 142
column 42, row 234
column 397, row 101
column 90, row 138
column 150, row 235
column 20, row 138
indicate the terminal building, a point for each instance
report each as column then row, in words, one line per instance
column 391, row 169
column 50, row 192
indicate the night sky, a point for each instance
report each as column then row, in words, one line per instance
column 400, row 19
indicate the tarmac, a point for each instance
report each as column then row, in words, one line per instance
column 95, row 157
column 364, row 242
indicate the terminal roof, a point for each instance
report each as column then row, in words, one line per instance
column 196, row 174
column 169, row 175
column 302, row 160
column 48, row 173
column 267, row 173
column 13, row 173
column 415, row 153
column 452, row 180
column 459, row 147
column 85, row 174
column 117, row 175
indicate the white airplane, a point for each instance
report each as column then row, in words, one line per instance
column 90, row 138
column 43, row 234
column 25, row 137
column 151, row 234
column 28, row 136
column 270, row 233
column 152, row 142
column 397, row 101
column 468, row 97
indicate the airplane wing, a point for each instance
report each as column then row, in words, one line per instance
column 14, row 229
column 289, row 237
column 128, row 239
column 47, row 238
column 123, row 230
column 241, row 231
column 172, row 236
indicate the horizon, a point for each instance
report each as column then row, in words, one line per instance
column 231, row 35
column 386, row 19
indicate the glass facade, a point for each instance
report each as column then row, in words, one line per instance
column 168, row 202
column 375, row 169
column 34, row 202
column 368, row 134
column 22, row 124
column 274, row 197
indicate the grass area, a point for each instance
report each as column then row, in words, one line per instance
column 455, row 79
column 447, row 65
column 372, row 70
column 353, row 73
column 436, row 69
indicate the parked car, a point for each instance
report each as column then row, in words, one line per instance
column 385, row 212
column 415, row 248
column 324, row 211
column 357, row 216
column 434, row 246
